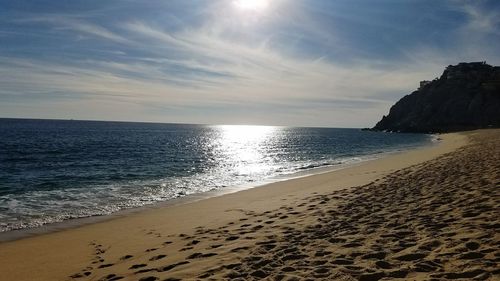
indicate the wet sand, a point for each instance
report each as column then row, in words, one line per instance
column 427, row 214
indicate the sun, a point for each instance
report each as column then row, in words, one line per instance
column 251, row 5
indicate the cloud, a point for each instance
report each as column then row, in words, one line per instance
column 256, row 78
column 75, row 24
column 222, row 71
column 92, row 29
column 480, row 19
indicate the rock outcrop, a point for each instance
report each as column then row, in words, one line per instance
column 466, row 96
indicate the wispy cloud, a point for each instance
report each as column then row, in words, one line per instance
column 257, row 78
column 481, row 20
column 58, row 22
column 279, row 68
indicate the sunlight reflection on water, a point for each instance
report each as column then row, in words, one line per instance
column 247, row 147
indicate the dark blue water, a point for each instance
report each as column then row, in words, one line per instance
column 56, row 170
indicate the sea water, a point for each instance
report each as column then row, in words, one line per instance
column 55, row 170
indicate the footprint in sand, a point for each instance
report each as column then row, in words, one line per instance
column 158, row 257
column 126, row 257
column 105, row 265
column 136, row 266
column 149, row 278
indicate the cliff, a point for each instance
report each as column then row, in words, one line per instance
column 466, row 96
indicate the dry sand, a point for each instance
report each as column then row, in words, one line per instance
column 428, row 214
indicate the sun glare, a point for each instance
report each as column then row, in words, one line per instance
column 244, row 145
column 251, row 5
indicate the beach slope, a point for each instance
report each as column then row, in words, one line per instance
column 427, row 214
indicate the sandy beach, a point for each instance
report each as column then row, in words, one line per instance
column 428, row 214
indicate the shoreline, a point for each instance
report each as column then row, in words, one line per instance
column 22, row 233
column 128, row 232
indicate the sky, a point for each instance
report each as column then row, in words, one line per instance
column 324, row 63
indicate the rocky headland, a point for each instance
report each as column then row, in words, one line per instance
column 465, row 97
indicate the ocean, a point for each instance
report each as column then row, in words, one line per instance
column 55, row 170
